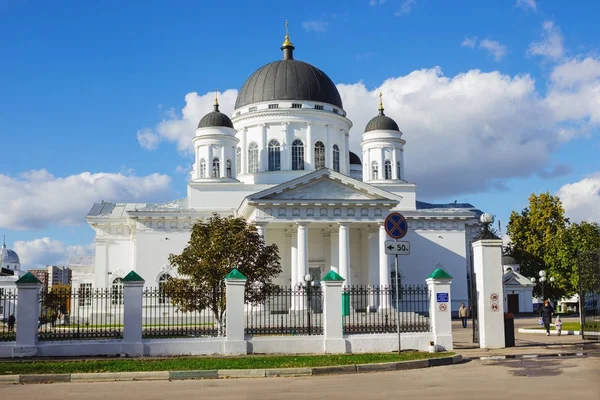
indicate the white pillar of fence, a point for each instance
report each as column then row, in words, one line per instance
column 332, row 313
column 439, row 308
column 133, row 285
column 28, row 312
column 235, row 343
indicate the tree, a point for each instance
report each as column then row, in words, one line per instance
column 56, row 301
column 531, row 232
column 216, row 247
column 573, row 260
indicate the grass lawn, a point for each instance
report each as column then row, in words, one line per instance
column 205, row 363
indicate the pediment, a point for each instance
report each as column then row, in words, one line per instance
column 322, row 189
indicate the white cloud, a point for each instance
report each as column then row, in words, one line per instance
column 581, row 200
column 469, row 42
column 405, row 8
column 527, row 5
column 45, row 251
column 376, row 2
column 494, row 47
column 315, row 26
column 551, row 45
column 148, row 139
column 37, row 199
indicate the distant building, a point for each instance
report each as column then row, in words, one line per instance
column 518, row 290
column 52, row 275
column 10, row 272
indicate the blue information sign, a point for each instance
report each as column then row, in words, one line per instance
column 442, row 297
column 396, row 225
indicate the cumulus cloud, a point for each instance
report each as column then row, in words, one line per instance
column 46, row 251
column 315, row 26
column 527, row 4
column 551, row 45
column 405, row 8
column 494, row 48
column 37, row 199
column 581, row 200
column 470, row 42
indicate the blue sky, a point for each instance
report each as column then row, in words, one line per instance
column 80, row 80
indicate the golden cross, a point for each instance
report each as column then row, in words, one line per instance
column 380, row 101
column 216, row 96
column 286, row 28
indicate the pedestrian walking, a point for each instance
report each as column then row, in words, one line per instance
column 546, row 313
column 558, row 325
column 11, row 322
column 463, row 314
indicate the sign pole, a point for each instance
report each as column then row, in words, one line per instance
column 398, row 307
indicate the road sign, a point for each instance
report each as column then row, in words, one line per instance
column 442, row 297
column 397, row 248
column 494, row 307
column 443, row 307
column 396, row 225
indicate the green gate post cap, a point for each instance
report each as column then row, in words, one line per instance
column 332, row 276
column 28, row 278
column 132, row 276
column 235, row 274
column 439, row 273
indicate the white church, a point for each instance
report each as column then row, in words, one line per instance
column 282, row 161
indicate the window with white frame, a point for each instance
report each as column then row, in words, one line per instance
column 117, row 291
column 374, row 170
column 162, row 298
column 319, row 155
column 398, row 170
column 336, row 158
column 238, row 161
column 216, row 167
column 85, row 294
column 297, row 155
column 274, row 155
column 388, row 169
column 252, row 158
column 228, row 168
column 202, row 168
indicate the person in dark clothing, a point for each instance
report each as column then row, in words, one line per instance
column 11, row 322
column 546, row 313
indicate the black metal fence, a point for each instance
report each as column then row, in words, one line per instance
column 8, row 308
column 162, row 318
column 372, row 309
column 83, row 314
column 287, row 311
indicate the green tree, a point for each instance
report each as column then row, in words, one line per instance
column 531, row 232
column 216, row 247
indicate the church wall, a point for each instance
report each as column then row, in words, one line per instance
column 219, row 197
column 153, row 249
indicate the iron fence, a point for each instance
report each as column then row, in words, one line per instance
column 81, row 315
column 163, row 318
column 8, row 308
column 286, row 311
column 372, row 309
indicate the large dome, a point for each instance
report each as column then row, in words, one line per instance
column 288, row 79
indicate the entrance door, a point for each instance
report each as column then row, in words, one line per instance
column 513, row 303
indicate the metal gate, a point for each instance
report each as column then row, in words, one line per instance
column 589, row 272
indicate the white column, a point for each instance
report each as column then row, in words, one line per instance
column 382, row 163
column 334, row 342
column 344, row 252
column 222, row 165
column 28, row 308
column 133, row 286
column 234, row 317
column 346, row 156
column 261, row 227
column 384, row 273
column 439, row 309
column 285, row 153
column 264, row 159
column 402, row 171
column 487, row 264
column 373, row 238
column 394, row 161
column 290, row 139
column 209, row 162
column 244, row 148
column 328, row 149
column 334, row 249
column 302, row 250
column 294, row 267
column 309, row 162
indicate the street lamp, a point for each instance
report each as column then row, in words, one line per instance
column 308, row 279
column 543, row 281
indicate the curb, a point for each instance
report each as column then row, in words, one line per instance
column 552, row 333
column 520, row 356
column 228, row 373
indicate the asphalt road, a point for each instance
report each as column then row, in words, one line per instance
column 560, row 378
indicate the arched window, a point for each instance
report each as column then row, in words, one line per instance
column 117, row 291
column 274, row 156
column 228, row 168
column 216, row 168
column 374, row 171
column 388, row 169
column 336, row 158
column 161, row 287
column 202, row 168
column 238, row 161
column 252, row 158
column 319, row 155
column 297, row 155
column 399, row 176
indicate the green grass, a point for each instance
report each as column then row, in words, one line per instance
column 205, row 363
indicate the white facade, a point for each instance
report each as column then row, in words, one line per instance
column 290, row 173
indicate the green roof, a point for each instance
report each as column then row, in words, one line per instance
column 235, row 274
column 28, row 278
column 439, row 273
column 133, row 277
column 332, row 276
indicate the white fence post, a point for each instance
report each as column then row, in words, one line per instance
column 235, row 344
column 440, row 314
column 332, row 313
column 28, row 313
column 133, row 285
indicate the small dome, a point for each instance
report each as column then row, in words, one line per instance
column 354, row 159
column 382, row 123
column 507, row 260
column 215, row 119
column 8, row 256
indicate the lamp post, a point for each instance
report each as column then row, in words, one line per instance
column 543, row 280
column 308, row 279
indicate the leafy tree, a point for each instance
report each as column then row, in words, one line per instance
column 216, row 247
column 531, row 232
column 56, row 301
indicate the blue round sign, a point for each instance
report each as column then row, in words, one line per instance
column 396, row 225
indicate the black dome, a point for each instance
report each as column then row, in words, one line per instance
column 382, row 122
column 354, row 159
column 215, row 118
column 288, row 79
